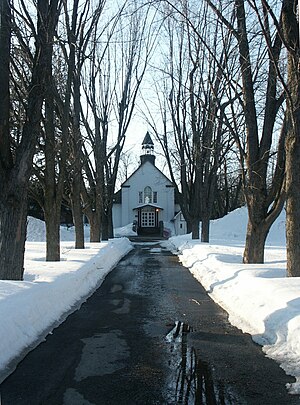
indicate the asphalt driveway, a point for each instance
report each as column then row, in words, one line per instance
column 149, row 335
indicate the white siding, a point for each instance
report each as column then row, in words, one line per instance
column 180, row 224
column 117, row 215
column 146, row 175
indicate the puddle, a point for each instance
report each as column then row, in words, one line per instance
column 102, row 354
column 155, row 250
column 124, row 309
column 72, row 397
column 115, row 302
column 116, row 288
column 191, row 380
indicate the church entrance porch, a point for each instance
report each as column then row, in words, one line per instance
column 148, row 220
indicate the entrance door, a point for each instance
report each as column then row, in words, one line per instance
column 148, row 219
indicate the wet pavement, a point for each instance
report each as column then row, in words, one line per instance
column 148, row 335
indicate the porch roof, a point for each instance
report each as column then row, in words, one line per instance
column 147, row 205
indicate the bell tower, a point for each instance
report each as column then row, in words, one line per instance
column 147, row 150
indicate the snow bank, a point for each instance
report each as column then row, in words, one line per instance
column 30, row 309
column 36, row 231
column 124, row 231
column 259, row 299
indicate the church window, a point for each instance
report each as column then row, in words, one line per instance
column 147, row 195
column 140, row 197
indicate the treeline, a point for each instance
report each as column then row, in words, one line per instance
column 217, row 83
column 227, row 95
column 70, row 75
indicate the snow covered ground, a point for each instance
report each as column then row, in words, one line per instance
column 260, row 299
column 32, row 308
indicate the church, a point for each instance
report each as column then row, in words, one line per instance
column 147, row 199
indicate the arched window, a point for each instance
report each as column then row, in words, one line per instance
column 147, row 195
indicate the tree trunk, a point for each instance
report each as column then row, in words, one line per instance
column 205, row 229
column 52, row 220
column 56, row 150
column 292, row 146
column 91, row 209
column 195, row 229
column 255, row 242
column 95, row 226
column 52, row 200
column 104, row 223
column 293, row 206
column 110, row 224
column 76, row 183
column 188, row 226
column 110, row 229
column 77, row 215
column 261, row 197
column 5, row 34
column 15, row 176
column 13, row 208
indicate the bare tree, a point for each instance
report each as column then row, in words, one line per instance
column 195, row 144
column 16, row 160
column 56, row 138
column 116, row 72
column 290, row 31
column 128, row 165
column 259, row 56
column 60, row 172
column 83, row 38
column 5, row 38
column 229, row 193
column 286, row 24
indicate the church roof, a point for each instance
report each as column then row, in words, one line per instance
column 117, row 198
column 139, row 168
column 147, row 140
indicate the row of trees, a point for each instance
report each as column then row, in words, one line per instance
column 226, row 81
column 223, row 100
column 70, row 76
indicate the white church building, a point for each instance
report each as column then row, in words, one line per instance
column 147, row 198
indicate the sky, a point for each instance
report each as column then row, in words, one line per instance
column 259, row 299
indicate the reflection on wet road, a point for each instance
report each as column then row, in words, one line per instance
column 191, row 379
column 149, row 335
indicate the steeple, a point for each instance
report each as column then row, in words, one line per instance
column 147, row 150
